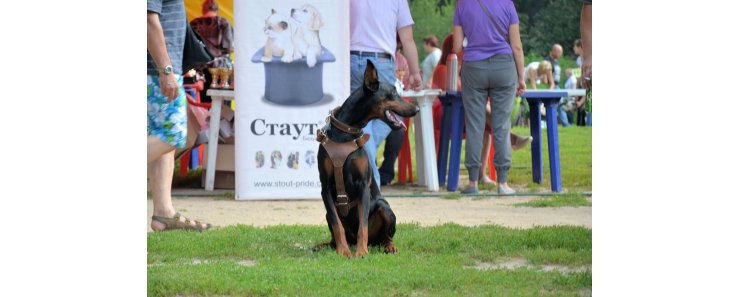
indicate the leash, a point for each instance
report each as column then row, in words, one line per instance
column 338, row 153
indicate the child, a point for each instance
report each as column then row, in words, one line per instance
column 570, row 83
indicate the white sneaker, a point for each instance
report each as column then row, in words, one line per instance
column 505, row 190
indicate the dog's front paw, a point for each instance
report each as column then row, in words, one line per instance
column 390, row 249
column 297, row 56
column 287, row 59
column 344, row 251
column 361, row 252
column 266, row 59
column 311, row 61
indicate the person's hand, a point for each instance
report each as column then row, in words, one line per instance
column 586, row 76
column 415, row 81
column 520, row 87
column 169, row 87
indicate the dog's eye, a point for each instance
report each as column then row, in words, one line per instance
column 305, row 10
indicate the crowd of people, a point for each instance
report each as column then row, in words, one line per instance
column 485, row 38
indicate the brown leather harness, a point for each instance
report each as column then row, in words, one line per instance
column 338, row 153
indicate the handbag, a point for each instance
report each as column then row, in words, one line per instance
column 194, row 52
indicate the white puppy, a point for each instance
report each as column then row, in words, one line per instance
column 275, row 158
column 306, row 34
column 279, row 38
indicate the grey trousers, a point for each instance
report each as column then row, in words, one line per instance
column 496, row 78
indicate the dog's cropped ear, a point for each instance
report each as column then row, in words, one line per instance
column 316, row 21
column 371, row 77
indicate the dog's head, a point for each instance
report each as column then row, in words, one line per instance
column 378, row 99
column 276, row 24
column 277, row 155
column 309, row 16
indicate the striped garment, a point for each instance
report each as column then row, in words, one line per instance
column 173, row 20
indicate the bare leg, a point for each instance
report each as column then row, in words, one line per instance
column 156, row 148
column 519, row 142
column 487, row 140
column 193, row 129
column 160, row 177
column 160, row 172
column 482, row 176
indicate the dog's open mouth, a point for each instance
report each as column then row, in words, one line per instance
column 394, row 118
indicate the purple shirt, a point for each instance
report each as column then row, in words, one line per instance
column 484, row 40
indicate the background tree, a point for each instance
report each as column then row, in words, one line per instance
column 542, row 23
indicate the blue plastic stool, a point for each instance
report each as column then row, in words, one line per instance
column 550, row 99
column 450, row 139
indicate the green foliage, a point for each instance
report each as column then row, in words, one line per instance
column 439, row 261
column 541, row 23
column 544, row 23
column 431, row 17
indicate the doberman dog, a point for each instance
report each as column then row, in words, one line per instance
column 358, row 215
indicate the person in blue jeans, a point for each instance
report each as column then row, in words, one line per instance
column 373, row 28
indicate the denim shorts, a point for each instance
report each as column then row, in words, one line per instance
column 166, row 120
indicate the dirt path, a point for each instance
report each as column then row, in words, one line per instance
column 425, row 211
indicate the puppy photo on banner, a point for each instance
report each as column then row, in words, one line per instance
column 291, row 68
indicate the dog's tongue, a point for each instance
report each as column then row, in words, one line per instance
column 396, row 119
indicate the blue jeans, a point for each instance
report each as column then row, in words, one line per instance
column 563, row 115
column 561, row 110
column 377, row 129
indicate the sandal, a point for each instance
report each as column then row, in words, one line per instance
column 177, row 222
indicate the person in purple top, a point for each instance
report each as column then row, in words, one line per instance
column 493, row 66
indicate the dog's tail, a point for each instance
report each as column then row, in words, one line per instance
column 319, row 246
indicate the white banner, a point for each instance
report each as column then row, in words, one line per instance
column 291, row 68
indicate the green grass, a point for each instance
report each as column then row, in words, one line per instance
column 225, row 196
column 452, row 196
column 431, row 261
column 575, row 161
column 573, row 199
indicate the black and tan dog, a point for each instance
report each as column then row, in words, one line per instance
column 355, row 211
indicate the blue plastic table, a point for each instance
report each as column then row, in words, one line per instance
column 550, row 99
column 450, row 139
